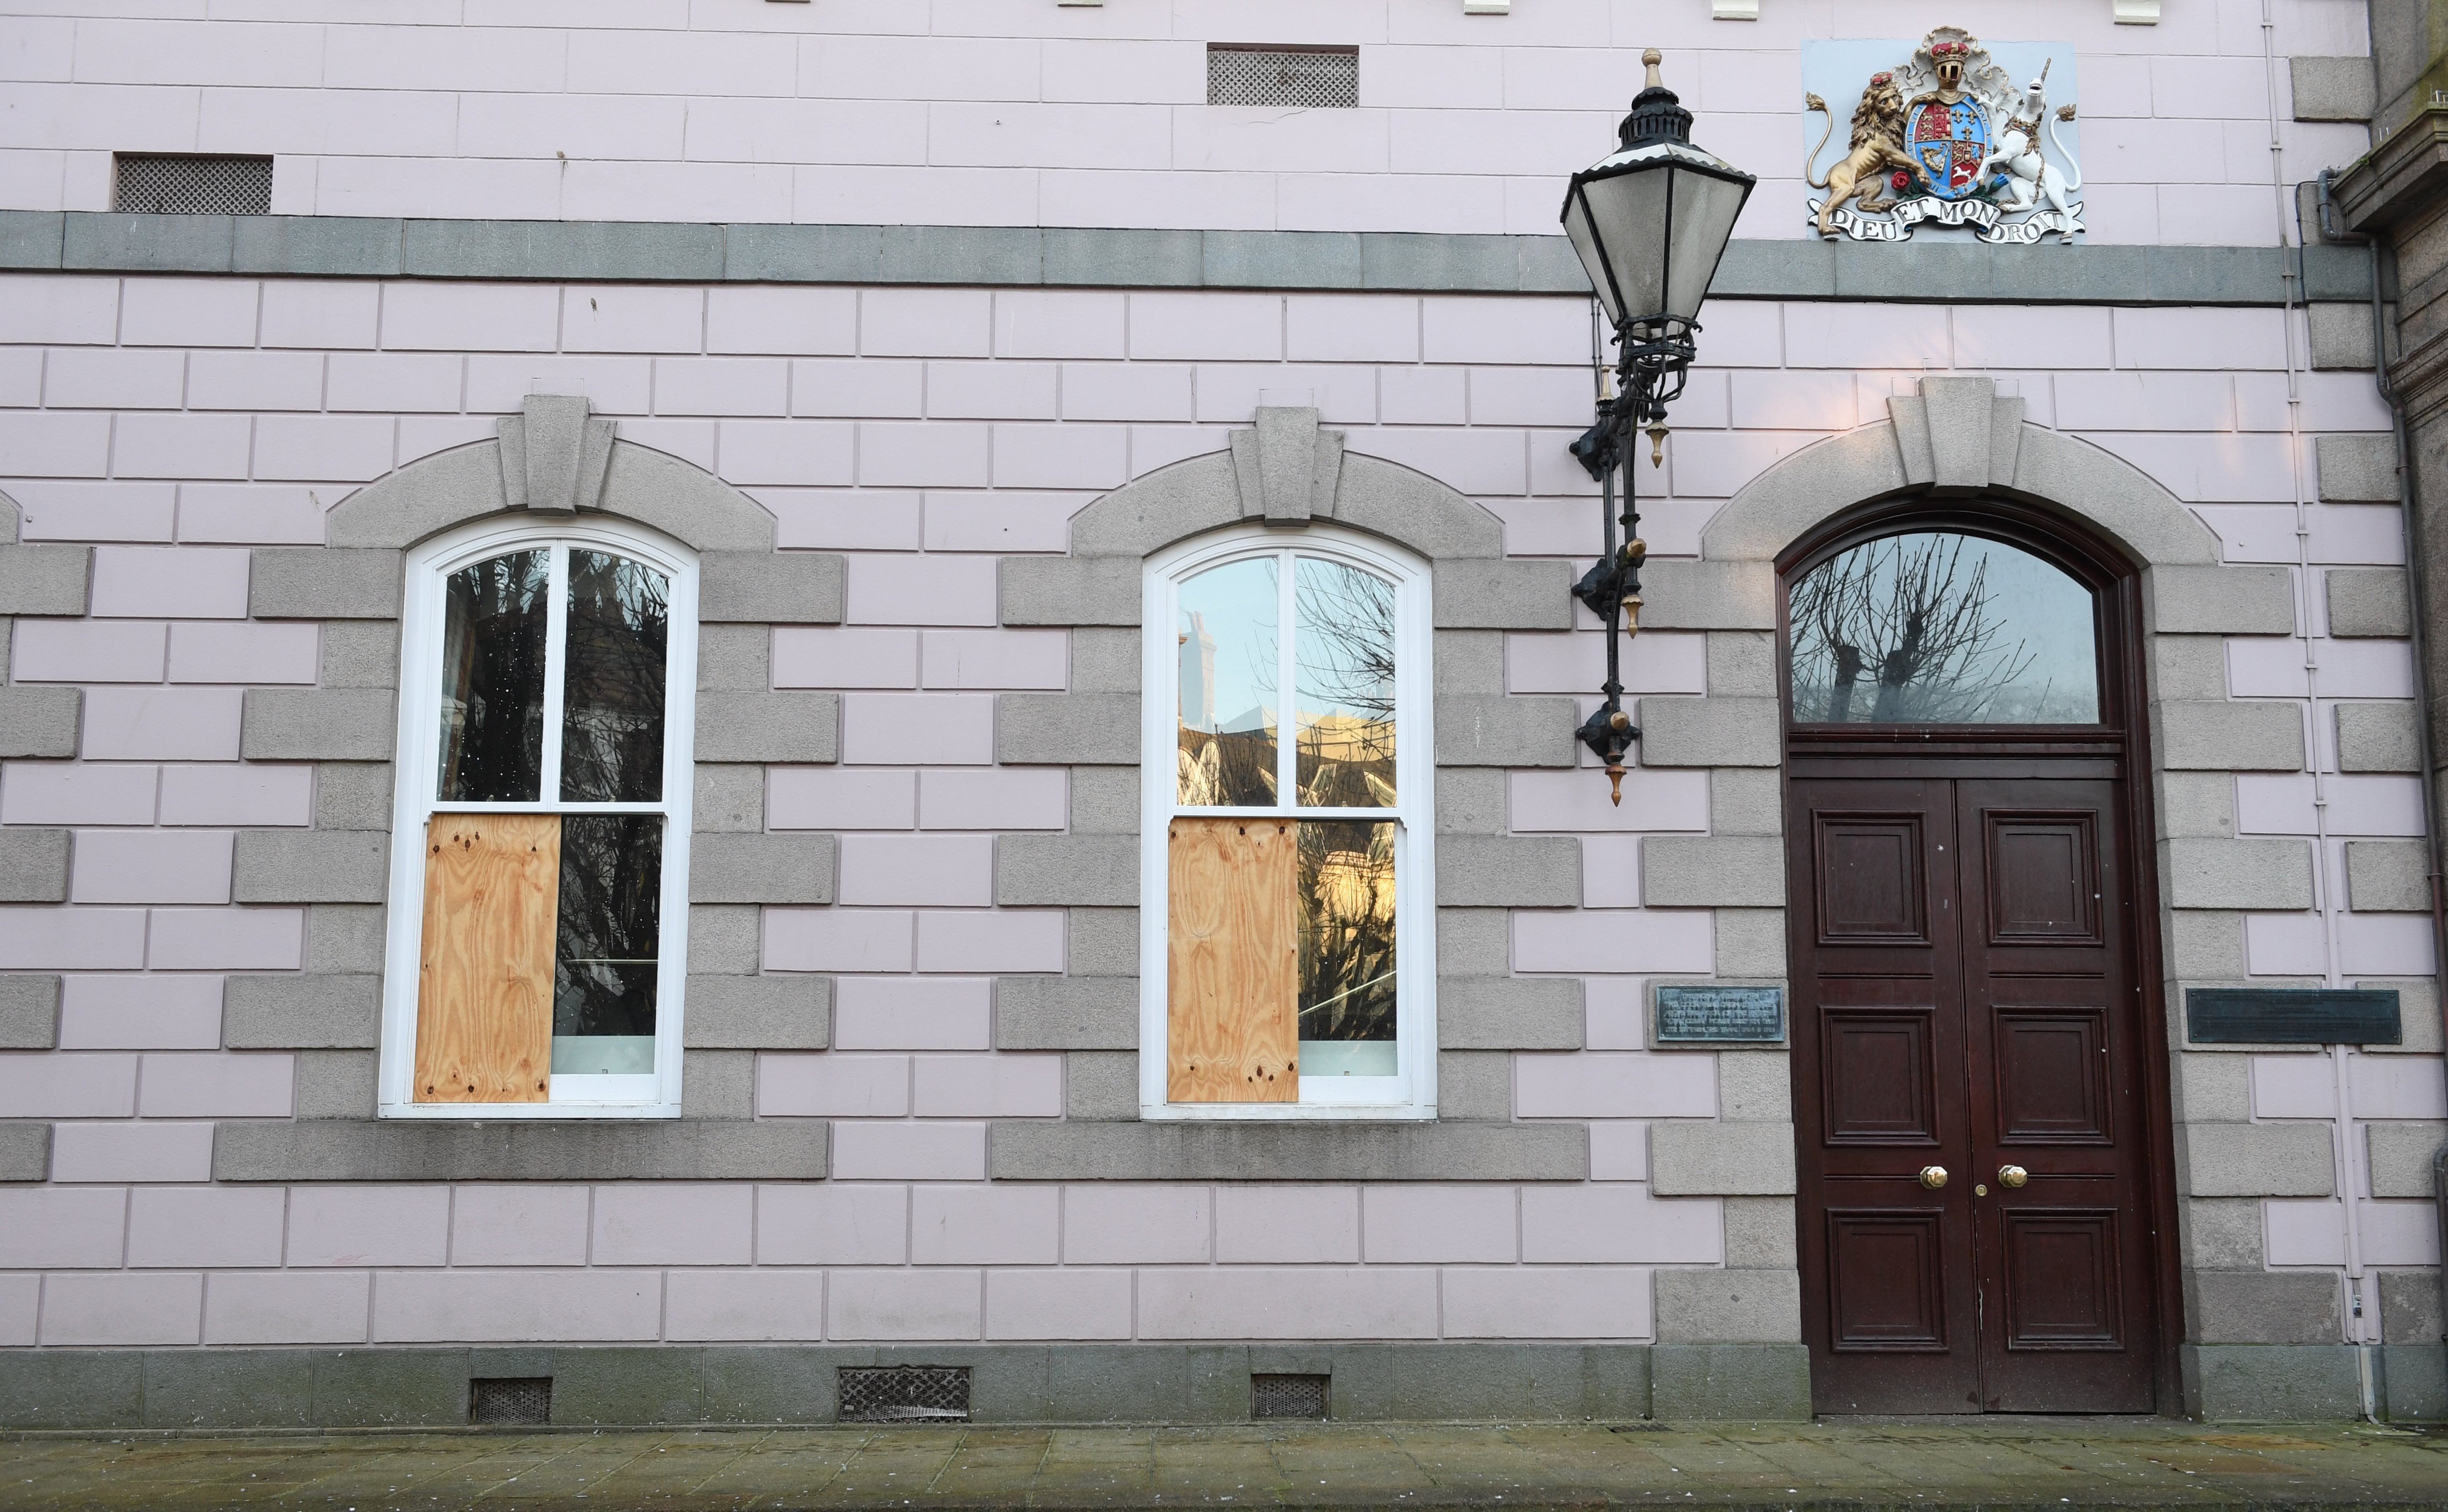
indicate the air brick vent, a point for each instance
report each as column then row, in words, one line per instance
column 510, row 1399
column 904, row 1393
column 1289, row 76
column 164, row 183
column 1287, row 1396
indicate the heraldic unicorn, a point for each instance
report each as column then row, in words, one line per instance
column 1949, row 140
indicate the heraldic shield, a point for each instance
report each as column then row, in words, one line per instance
column 1949, row 140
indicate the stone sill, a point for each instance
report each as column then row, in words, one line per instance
column 1251, row 1151
column 671, row 1150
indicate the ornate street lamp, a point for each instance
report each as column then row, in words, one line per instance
column 1650, row 220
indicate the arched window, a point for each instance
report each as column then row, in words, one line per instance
column 1287, row 964
column 1940, row 627
column 538, row 909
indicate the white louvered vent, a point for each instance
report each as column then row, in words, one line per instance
column 167, row 184
column 1293, row 77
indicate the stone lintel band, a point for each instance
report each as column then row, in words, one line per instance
column 1924, row 271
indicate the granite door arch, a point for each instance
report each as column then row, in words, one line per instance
column 1981, row 1120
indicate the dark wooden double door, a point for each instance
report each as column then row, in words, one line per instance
column 1965, row 977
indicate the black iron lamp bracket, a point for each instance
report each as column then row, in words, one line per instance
column 1651, row 253
column 1610, row 735
column 1654, row 358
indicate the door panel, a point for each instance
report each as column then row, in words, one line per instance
column 2036, row 869
column 1880, row 1083
column 1887, row 1282
column 2051, row 1075
column 2062, row 1279
column 1870, row 879
column 1968, row 998
column 2052, row 1001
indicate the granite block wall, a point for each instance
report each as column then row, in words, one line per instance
column 171, row 424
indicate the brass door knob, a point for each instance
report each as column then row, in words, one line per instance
column 2012, row 1175
column 1933, row 1177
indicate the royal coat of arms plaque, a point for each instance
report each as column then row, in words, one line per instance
column 1946, row 138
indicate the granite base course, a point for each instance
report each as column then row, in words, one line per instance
column 740, row 1384
column 292, row 1388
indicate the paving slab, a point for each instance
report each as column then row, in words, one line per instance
column 1994, row 1465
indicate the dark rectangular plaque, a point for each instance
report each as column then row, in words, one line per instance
column 1693, row 1014
column 2292, row 1016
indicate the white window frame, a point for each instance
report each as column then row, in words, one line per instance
column 1412, row 1092
column 422, row 613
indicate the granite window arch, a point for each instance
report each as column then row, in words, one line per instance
column 1287, row 865
column 538, row 929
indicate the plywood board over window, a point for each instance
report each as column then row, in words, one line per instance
column 483, row 1025
column 1234, row 1018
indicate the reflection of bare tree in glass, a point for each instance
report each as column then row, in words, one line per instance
column 612, row 700
column 1345, row 656
column 1908, row 616
column 1347, row 929
column 1347, row 646
column 492, row 680
column 610, row 922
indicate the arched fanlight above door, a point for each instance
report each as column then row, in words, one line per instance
column 1941, row 627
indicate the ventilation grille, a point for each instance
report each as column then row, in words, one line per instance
column 510, row 1399
column 1287, row 1396
column 162, row 184
column 1283, row 76
column 904, row 1393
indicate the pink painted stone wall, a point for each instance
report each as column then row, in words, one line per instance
column 923, row 434
column 1020, row 112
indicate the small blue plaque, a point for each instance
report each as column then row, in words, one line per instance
column 1691, row 1014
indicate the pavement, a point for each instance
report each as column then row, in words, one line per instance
column 2032, row 1465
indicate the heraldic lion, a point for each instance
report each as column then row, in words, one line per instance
column 1878, row 146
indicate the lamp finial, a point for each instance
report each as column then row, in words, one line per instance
column 1657, row 114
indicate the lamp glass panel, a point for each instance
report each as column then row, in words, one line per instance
column 1704, row 208
column 1628, row 219
column 1577, row 226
